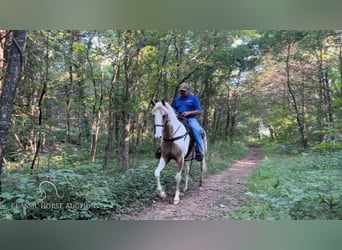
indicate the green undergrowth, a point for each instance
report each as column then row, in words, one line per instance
column 83, row 191
column 294, row 186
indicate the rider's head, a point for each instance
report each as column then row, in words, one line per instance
column 184, row 89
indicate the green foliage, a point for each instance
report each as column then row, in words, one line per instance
column 327, row 146
column 330, row 138
column 301, row 186
column 87, row 191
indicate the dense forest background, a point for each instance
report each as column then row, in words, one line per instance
column 71, row 98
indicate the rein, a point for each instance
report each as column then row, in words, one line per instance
column 172, row 138
column 176, row 138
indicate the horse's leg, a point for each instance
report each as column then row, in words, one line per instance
column 187, row 172
column 203, row 163
column 203, row 167
column 178, row 177
column 160, row 167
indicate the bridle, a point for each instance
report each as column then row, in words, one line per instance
column 171, row 138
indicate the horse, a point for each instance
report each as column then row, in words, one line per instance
column 175, row 145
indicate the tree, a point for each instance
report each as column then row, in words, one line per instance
column 39, row 141
column 2, row 55
column 298, row 105
column 11, row 81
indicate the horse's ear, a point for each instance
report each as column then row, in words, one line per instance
column 163, row 102
column 153, row 103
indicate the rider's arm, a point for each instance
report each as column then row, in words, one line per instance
column 193, row 112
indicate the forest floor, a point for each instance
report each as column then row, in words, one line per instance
column 221, row 194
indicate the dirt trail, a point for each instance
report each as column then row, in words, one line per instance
column 221, row 192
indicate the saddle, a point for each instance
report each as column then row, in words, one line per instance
column 185, row 122
column 191, row 148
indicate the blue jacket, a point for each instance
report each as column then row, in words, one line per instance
column 190, row 103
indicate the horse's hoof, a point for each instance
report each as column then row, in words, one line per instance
column 200, row 188
column 176, row 202
column 162, row 195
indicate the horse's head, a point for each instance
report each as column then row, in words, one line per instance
column 160, row 115
column 162, row 112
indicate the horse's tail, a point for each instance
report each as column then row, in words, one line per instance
column 204, row 166
column 205, row 143
column 205, row 150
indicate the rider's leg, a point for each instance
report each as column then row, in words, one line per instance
column 197, row 129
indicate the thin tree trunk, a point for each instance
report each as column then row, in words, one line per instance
column 131, row 54
column 340, row 62
column 125, row 141
column 205, row 101
column 68, row 91
column 231, row 113
column 111, row 113
column 40, row 113
column 110, row 136
column 320, row 110
column 327, row 98
column 95, row 136
column 97, row 107
column 124, row 145
column 2, row 55
column 11, row 81
column 40, row 118
column 300, row 123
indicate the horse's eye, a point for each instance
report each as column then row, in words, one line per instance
column 164, row 116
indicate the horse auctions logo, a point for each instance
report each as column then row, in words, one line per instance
column 56, row 205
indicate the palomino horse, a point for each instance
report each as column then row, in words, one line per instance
column 175, row 141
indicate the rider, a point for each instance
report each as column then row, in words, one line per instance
column 188, row 105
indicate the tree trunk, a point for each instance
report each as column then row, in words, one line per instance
column 40, row 112
column 320, row 109
column 11, row 81
column 327, row 98
column 98, row 83
column 340, row 63
column 2, row 55
column 111, row 118
column 69, row 89
column 232, row 100
column 95, row 134
column 216, row 123
column 125, row 141
column 110, row 136
column 228, row 117
column 300, row 123
column 111, row 124
column 205, row 101
column 126, row 121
